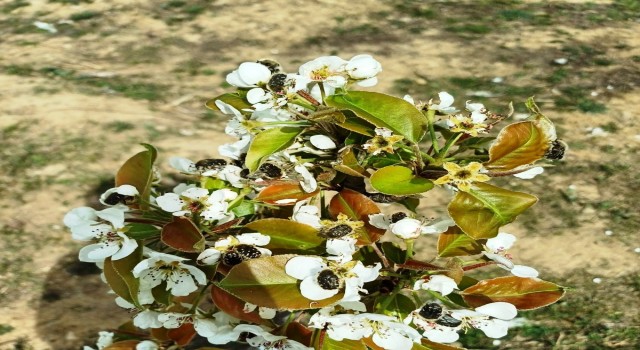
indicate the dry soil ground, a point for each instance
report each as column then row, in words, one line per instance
column 76, row 100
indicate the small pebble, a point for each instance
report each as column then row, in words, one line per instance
column 496, row 342
column 497, row 80
column 597, row 280
column 637, row 250
column 608, row 232
column 594, row 93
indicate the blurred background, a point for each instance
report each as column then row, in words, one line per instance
column 83, row 82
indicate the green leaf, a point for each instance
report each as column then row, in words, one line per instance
column 245, row 208
column 119, row 275
column 385, row 111
column 348, row 163
column 137, row 171
column 235, row 100
column 399, row 181
column 394, row 253
column 269, row 142
column 331, row 344
column 183, row 235
column 397, row 305
column 454, row 242
column 523, row 293
column 264, row 282
column 485, row 208
column 357, row 206
column 287, row 234
column 429, row 345
column 141, row 231
column 353, row 123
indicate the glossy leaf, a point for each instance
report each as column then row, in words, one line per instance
column 119, row 275
column 417, row 265
column 123, row 345
column 383, row 110
column 429, row 345
column 394, row 253
column 454, row 242
column 399, row 181
column 141, row 231
column 285, row 193
column 235, row 100
column 524, row 293
column 324, row 342
column 245, row 208
column 485, row 208
column 287, row 234
column 357, row 207
column 298, row 332
column 183, row 334
column 264, row 282
column 234, row 306
column 354, row 123
column 269, row 142
column 397, row 305
column 183, row 235
column 137, row 172
column 518, row 144
column 348, row 163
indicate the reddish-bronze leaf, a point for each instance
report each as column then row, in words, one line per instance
column 234, row 306
column 123, row 345
column 137, row 171
column 518, row 144
column 454, row 242
column 524, row 293
column 298, row 332
column 357, row 207
column 183, row 235
column 284, row 193
column 183, row 334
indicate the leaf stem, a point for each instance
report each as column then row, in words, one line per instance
column 384, row 259
column 409, row 243
column 432, row 132
column 450, row 142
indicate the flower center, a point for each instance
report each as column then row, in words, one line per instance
column 328, row 280
column 463, row 174
column 338, row 231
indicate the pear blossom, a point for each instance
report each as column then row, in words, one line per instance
column 234, row 150
column 385, row 331
column 147, row 345
column 217, row 329
column 462, row 177
column 382, row 142
column 491, row 318
column 437, row 324
column 326, row 69
column 496, row 250
column 322, row 279
column 363, row 68
column 438, row 283
column 106, row 227
column 263, row 340
column 235, row 249
column 405, row 227
column 249, row 74
column 342, row 236
column 478, row 112
column 446, row 103
column 147, row 319
column 182, row 279
column 104, row 339
column 306, row 214
column 120, row 195
column 195, row 200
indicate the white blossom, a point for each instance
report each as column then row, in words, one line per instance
column 211, row 256
column 438, row 283
column 496, row 250
column 446, row 103
column 196, row 200
column 530, row 173
column 104, row 339
column 118, row 195
column 306, row 214
column 322, row 142
column 182, row 279
column 249, row 74
column 364, row 68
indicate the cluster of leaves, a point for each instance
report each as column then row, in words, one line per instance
column 325, row 173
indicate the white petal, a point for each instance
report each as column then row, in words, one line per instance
column 442, row 335
column 379, row 220
column 409, row 99
column 200, row 276
column 501, row 310
column 524, row 271
column 267, row 313
column 170, row 202
column 195, row 193
column 446, row 99
column 147, row 319
column 127, row 247
column 254, row 73
column 80, row 216
column 345, row 246
column 501, row 242
column 438, row 227
column 182, row 285
column 257, row 95
column 494, row 328
column 440, row 283
column 301, row 267
column 96, row 252
column 182, row 164
column 367, row 274
column 531, row 173
column 322, row 142
column 310, row 289
column 407, row 228
column 146, row 345
column 253, row 239
column 205, row 327
column 209, row 256
column 368, row 82
column 113, row 215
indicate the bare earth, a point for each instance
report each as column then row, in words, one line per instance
column 69, row 121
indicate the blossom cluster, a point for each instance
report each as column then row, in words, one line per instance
column 305, row 231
